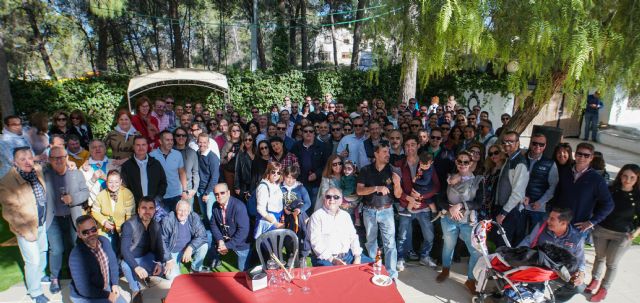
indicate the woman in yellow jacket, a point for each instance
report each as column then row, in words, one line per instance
column 114, row 205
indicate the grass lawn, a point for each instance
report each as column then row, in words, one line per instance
column 10, row 260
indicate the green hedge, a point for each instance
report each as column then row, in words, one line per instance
column 101, row 96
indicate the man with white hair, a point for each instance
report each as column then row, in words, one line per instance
column 184, row 237
column 95, row 169
column 332, row 235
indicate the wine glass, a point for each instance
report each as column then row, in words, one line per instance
column 286, row 280
column 305, row 274
column 274, row 280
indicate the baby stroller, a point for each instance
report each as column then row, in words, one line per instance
column 518, row 273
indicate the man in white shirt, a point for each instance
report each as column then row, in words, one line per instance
column 332, row 235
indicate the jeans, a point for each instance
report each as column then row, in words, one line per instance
column 405, row 229
column 206, row 209
column 610, row 247
column 313, row 195
column 348, row 259
column 451, row 230
column 34, row 255
column 590, row 124
column 381, row 219
column 243, row 256
column 169, row 204
column 147, row 262
column 114, row 239
column 197, row 258
column 514, row 228
column 62, row 236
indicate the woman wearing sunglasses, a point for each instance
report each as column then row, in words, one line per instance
column 331, row 176
column 493, row 166
column 465, row 198
column 243, row 166
column 269, row 200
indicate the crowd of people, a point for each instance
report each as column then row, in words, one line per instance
column 177, row 184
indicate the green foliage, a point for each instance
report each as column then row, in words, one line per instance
column 97, row 97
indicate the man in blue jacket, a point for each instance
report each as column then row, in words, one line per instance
column 94, row 266
column 557, row 230
column 584, row 191
column 184, row 238
column 230, row 225
column 142, row 248
column 591, row 116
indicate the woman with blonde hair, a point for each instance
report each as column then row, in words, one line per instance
column 492, row 167
column 269, row 200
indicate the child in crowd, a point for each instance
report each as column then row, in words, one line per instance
column 422, row 182
column 351, row 200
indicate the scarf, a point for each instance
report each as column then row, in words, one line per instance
column 131, row 132
column 38, row 191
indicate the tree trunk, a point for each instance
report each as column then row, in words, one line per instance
column 39, row 40
column 103, row 47
column 333, row 34
column 133, row 48
column 262, row 57
column 6, row 101
column 304, row 37
column 92, row 50
column 409, row 77
column 156, row 42
column 178, row 51
column 145, row 55
column 530, row 109
column 357, row 35
column 292, row 33
column 116, row 39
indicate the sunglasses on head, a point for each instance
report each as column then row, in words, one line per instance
column 89, row 231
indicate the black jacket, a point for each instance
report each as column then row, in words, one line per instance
column 320, row 153
column 157, row 180
column 242, row 178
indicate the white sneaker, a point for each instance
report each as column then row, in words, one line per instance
column 400, row 265
column 427, row 261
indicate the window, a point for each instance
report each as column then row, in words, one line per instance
column 346, row 41
column 324, row 56
column 346, row 55
column 327, row 39
column 634, row 102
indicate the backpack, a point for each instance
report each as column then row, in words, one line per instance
column 252, row 203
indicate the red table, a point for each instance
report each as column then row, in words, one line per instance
column 332, row 284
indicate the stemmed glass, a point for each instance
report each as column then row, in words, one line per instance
column 305, row 274
column 274, row 280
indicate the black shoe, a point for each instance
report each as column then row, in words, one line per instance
column 54, row 288
column 215, row 264
column 45, row 279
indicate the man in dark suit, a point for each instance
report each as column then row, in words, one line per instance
column 143, row 175
column 230, row 225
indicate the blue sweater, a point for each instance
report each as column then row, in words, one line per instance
column 85, row 270
column 588, row 197
column 209, row 166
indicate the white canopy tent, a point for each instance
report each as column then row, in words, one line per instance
column 177, row 77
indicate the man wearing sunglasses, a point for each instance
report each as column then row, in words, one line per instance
column 332, row 235
column 169, row 111
column 230, row 226
column 583, row 190
column 351, row 146
column 505, row 121
column 484, row 134
column 510, row 190
column 543, row 179
column 94, row 266
column 312, row 157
